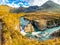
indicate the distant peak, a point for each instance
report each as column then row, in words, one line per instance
column 49, row 0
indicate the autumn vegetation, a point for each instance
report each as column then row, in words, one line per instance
column 11, row 30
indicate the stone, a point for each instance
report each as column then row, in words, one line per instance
column 29, row 28
column 42, row 24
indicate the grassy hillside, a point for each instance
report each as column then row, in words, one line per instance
column 4, row 8
column 34, row 15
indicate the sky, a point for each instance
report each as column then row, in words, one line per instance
column 25, row 3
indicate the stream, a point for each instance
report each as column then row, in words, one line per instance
column 42, row 35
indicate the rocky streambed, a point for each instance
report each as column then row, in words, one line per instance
column 40, row 26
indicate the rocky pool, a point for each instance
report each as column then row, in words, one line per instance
column 39, row 34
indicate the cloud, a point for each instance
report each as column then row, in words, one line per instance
column 14, row 3
column 25, row 3
column 38, row 2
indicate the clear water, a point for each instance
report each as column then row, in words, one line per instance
column 44, row 35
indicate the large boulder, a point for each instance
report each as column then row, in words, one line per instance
column 29, row 28
column 42, row 24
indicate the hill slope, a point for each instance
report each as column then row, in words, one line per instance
column 4, row 8
column 50, row 6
